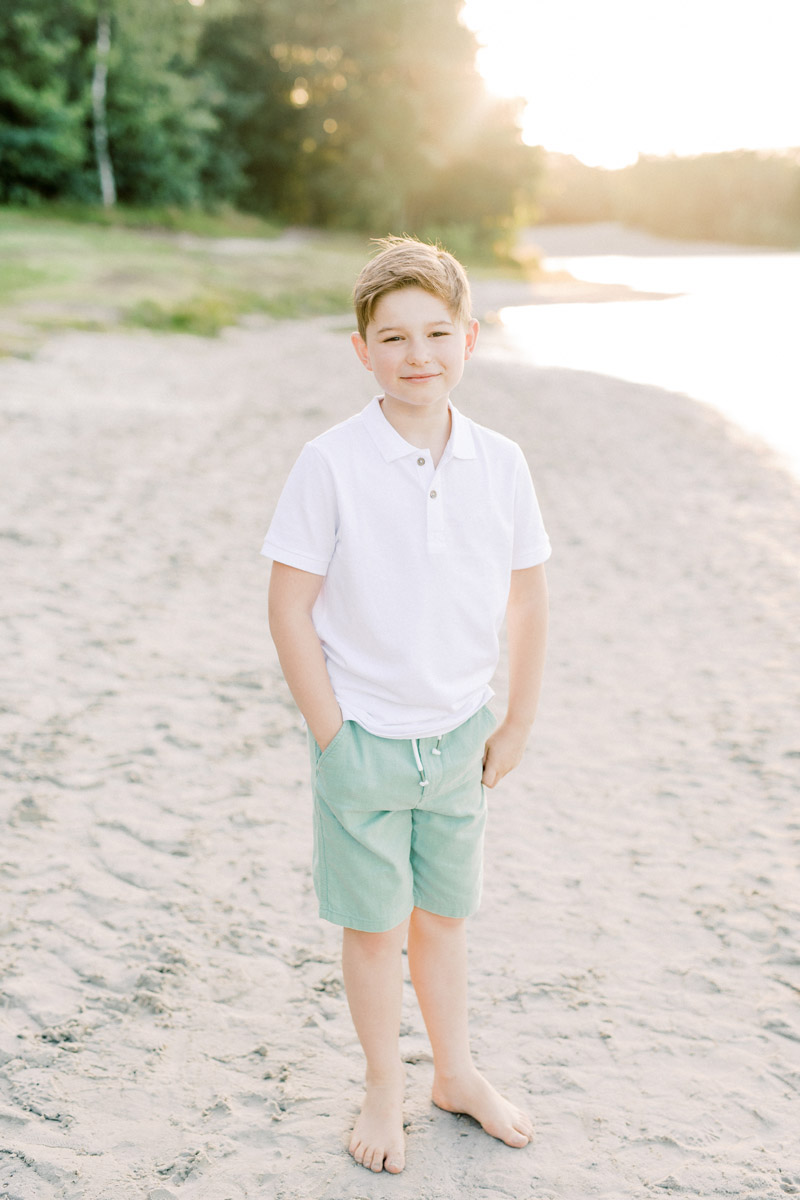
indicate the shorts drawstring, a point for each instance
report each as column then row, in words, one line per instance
column 423, row 782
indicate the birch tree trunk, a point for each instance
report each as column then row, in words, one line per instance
column 105, row 167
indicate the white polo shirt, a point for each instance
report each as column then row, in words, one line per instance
column 417, row 564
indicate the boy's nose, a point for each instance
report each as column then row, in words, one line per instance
column 418, row 352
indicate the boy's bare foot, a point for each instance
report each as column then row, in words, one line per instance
column 472, row 1094
column 378, row 1141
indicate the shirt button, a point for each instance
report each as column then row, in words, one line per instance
column 433, row 495
column 420, row 462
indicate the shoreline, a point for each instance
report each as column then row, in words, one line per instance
column 174, row 1022
column 724, row 339
column 489, row 296
column 615, row 239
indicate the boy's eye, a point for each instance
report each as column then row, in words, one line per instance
column 394, row 338
column 441, row 333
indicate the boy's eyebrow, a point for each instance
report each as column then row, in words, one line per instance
column 430, row 324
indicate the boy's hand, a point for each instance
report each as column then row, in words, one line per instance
column 504, row 750
column 330, row 733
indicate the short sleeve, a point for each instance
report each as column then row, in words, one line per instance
column 303, row 529
column 531, row 543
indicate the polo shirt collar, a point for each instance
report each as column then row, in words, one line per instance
column 392, row 446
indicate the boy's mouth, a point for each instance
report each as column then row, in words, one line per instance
column 422, row 378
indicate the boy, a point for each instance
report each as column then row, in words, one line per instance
column 401, row 539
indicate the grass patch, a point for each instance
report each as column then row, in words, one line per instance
column 204, row 316
column 85, row 273
column 75, row 266
column 207, row 314
column 17, row 276
column 224, row 223
column 313, row 302
column 59, row 324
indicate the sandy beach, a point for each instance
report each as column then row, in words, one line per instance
column 173, row 1024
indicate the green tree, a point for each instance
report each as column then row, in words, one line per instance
column 330, row 112
column 739, row 196
column 256, row 147
column 344, row 115
column 158, row 107
column 44, row 100
column 742, row 196
column 158, row 104
column 489, row 181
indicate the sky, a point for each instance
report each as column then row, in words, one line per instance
column 607, row 79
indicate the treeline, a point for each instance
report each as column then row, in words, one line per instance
column 339, row 113
column 744, row 197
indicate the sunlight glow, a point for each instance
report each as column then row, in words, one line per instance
column 606, row 81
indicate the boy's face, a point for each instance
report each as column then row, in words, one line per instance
column 415, row 347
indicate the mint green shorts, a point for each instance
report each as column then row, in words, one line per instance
column 398, row 824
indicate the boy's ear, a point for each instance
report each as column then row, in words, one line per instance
column 472, row 337
column 360, row 347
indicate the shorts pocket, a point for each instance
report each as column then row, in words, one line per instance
column 322, row 756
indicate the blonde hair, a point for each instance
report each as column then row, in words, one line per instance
column 407, row 262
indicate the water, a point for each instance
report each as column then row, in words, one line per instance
column 728, row 335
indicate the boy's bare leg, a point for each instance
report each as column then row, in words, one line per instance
column 437, row 958
column 373, row 978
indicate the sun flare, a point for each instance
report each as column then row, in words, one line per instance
column 607, row 81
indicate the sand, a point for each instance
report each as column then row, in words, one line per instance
column 173, row 1022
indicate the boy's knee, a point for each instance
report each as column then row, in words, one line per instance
column 374, row 945
column 433, row 922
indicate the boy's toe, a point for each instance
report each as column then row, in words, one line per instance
column 357, row 1151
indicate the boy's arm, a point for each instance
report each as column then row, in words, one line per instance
column 291, row 598
column 526, row 620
